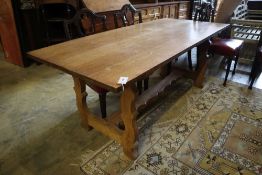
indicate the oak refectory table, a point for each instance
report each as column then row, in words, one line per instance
column 134, row 52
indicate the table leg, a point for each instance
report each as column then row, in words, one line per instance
column 202, row 64
column 128, row 115
column 81, row 94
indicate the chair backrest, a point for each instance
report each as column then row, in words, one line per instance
column 98, row 6
column 205, row 12
column 126, row 16
column 74, row 27
column 74, row 3
column 52, row 17
column 57, row 10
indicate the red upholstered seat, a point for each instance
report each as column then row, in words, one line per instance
column 229, row 48
column 226, row 47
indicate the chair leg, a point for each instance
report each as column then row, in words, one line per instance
column 235, row 65
column 252, row 77
column 251, row 84
column 146, row 82
column 198, row 55
column 102, row 100
column 255, row 72
column 169, row 68
column 229, row 61
column 189, row 58
column 139, row 86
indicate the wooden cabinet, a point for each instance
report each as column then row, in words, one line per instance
column 184, row 9
column 170, row 11
column 150, row 13
column 153, row 11
column 176, row 9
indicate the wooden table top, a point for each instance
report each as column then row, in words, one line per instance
column 134, row 51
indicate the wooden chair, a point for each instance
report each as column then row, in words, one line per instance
column 74, row 29
column 227, row 47
column 126, row 17
column 205, row 13
column 257, row 64
column 53, row 16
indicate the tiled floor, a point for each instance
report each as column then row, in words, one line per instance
column 39, row 123
column 40, row 131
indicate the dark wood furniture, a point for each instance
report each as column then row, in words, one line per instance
column 53, row 16
column 202, row 12
column 153, row 11
column 31, row 29
column 8, row 34
column 257, row 64
column 87, row 63
column 124, row 17
column 150, row 11
column 74, row 27
column 75, row 3
column 227, row 47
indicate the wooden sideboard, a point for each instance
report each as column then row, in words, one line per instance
column 176, row 9
column 153, row 11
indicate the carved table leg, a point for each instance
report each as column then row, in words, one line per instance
column 128, row 115
column 202, row 63
column 81, row 94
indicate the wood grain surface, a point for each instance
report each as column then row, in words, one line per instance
column 133, row 51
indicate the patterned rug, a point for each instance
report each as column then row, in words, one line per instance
column 214, row 130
